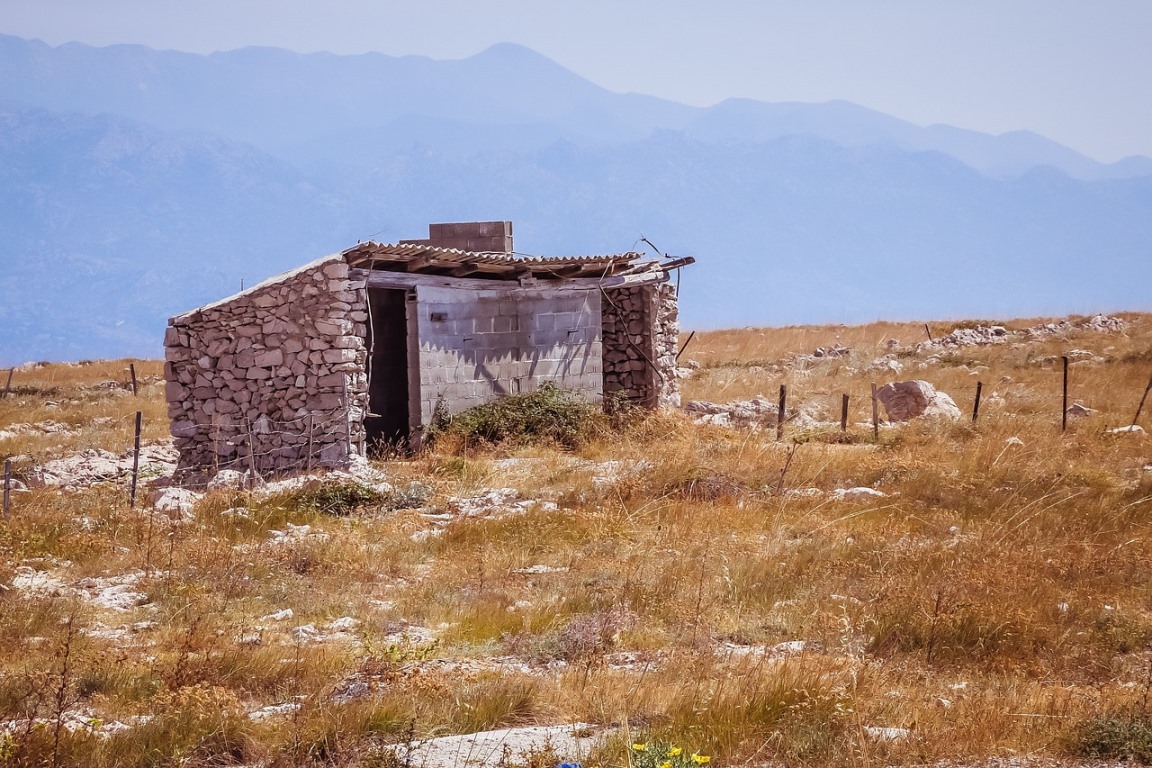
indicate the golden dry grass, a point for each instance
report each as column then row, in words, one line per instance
column 992, row 603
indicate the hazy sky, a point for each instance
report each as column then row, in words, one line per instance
column 1077, row 72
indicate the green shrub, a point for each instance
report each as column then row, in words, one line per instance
column 547, row 415
column 336, row 498
column 1116, row 737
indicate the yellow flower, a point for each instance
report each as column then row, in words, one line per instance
column 700, row 759
column 665, row 765
column 640, row 747
column 674, row 752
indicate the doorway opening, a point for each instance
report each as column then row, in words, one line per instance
column 386, row 425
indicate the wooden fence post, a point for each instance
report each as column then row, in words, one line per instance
column 1140, row 407
column 7, row 486
column 976, row 405
column 8, row 386
column 782, row 410
column 844, row 413
column 928, row 331
column 1064, row 398
column 875, row 414
column 251, row 454
column 135, row 460
column 308, row 459
column 686, row 343
column 132, row 373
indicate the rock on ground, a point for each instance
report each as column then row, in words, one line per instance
column 739, row 413
column 93, row 466
column 906, row 400
column 491, row 748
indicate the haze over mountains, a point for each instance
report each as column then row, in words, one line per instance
column 138, row 183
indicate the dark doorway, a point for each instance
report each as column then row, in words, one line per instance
column 386, row 425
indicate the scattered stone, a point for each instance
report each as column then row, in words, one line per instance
column 281, row 615
column 1079, row 411
column 295, row 533
column 275, row 710
column 754, row 413
column 48, row 427
column 861, row 493
column 343, row 624
column 117, row 593
column 94, row 465
column 37, row 584
column 906, row 400
column 881, row 733
column 237, row 513
column 177, row 502
column 410, row 634
column 489, row 749
column 537, row 569
column 887, row 363
column 494, row 503
column 836, row 350
column 226, row 479
column 1132, row 429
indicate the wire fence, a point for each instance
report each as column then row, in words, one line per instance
column 269, row 445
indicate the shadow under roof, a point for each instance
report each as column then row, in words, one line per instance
column 416, row 258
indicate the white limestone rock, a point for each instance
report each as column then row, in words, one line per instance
column 907, row 400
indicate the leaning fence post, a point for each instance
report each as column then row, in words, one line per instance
column 928, row 331
column 132, row 373
column 8, row 386
column 976, row 404
column 844, row 413
column 251, row 454
column 1064, row 397
column 875, row 414
column 782, row 410
column 7, row 486
column 1143, row 397
column 135, row 460
column 686, row 343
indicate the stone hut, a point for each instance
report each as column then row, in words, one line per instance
column 359, row 350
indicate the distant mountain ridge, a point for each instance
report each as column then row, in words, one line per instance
column 277, row 100
column 135, row 184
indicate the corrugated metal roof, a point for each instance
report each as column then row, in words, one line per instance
column 427, row 259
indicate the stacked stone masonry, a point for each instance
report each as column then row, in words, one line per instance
column 640, row 336
column 273, row 378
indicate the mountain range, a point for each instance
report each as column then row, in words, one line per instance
column 137, row 183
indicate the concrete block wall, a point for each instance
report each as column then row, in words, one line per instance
column 475, row 236
column 272, row 377
column 640, row 336
column 476, row 345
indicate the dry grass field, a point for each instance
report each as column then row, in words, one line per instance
column 667, row 582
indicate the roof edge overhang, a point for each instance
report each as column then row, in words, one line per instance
column 417, row 258
column 334, row 258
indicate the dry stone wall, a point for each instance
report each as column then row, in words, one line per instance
column 665, row 344
column 272, row 378
column 639, row 337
